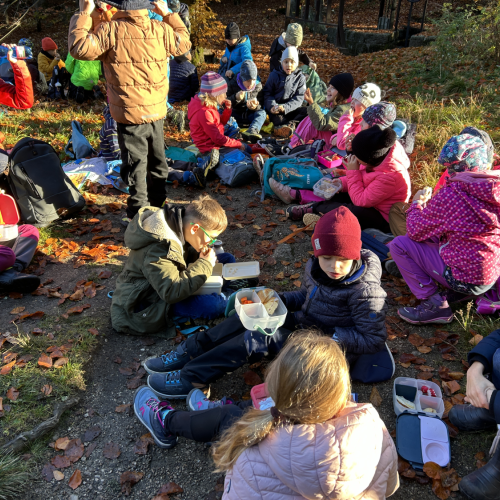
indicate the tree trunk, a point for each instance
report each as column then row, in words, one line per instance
column 340, row 26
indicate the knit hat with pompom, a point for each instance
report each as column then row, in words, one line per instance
column 372, row 145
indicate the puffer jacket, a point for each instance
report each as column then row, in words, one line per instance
column 465, row 215
column 135, row 51
column 241, row 106
column 19, row 95
column 161, row 270
column 350, row 457
column 83, row 73
column 285, row 90
column 184, row 82
column 328, row 122
column 234, row 58
column 47, row 63
column 207, row 127
column 352, row 311
column 276, row 51
column 385, row 185
column 347, row 125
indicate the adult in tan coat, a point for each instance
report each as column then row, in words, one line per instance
column 135, row 51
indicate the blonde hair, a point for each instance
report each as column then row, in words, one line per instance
column 208, row 213
column 309, row 383
column 208, row 100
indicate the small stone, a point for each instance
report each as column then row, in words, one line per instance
column 283, row 252
column 73, row 497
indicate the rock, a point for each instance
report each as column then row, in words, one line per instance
column 283, row 252
column 421, row 40
column 73, row 497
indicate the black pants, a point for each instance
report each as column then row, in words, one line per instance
column 84, row 95
column 144, row 168
column 228, row 346
column 296, row 115
column 206, row 425
column 367, row 217
column 177, row 168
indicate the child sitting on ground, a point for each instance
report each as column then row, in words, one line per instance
column 317, row 124
column 454, row 237
column 49, row 58
column 170, row 259
column 184, row 84
column 84, row 79
column 310, row 421
column 238, row 49
column 284, row 94
column 349, row 306
column 245, row 94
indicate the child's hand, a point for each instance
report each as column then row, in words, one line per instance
column 281, row 109
column 227, row 103
column 161, row 8
column 252, row 104
column 333, row 141
column 229, row 73
column 351, row 112
column 240, row 95
column 87, row 6
column 209, row 254
column 422, row 196
column 308, row 96
column 348, row 142
column 313, row 66
column 351, row 163
column 274, row 110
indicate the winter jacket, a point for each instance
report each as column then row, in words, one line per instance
column 350, row 457
column 135, row 51
column 315, row 84
column 385, row 185
column 47, row 63
column 484, row 352
column 184, row 83
column 286, row 90
column 161, row 270
column 277, row 48
column 352, row 311
column 241, row 106
column 207, row 127
column 108, row 138
column 234, row 58
column 100, row 16
column 19, row 95
column 330, row 121
column 83, row 73
column 465, row 215
column 184, row 15
column 347, row 126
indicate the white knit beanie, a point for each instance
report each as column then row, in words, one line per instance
column 367, row 94
column 290, row 53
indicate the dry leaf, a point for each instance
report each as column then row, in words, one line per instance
column 424, row 349
column 46, row 390
column 17, row 310
column 91, row 434
column 103, row 275
column 123, row 408
column 128, row 479
column 74, row 450
column 59, row 363
column 415, row 339
column 476, row 339
column 45, row 361
column 170, row 489
column 142, row 444
column 48, row 472
column 252, row 378
column 111, row 451
column 61, row 443
column 433, row 470
column 297, row 283
column 439, row 490
column 375, row 397
column 12, row 394
column 58, row 475
column 450, row 387
column 75, row 480
column 60, row 462
column 295, row 276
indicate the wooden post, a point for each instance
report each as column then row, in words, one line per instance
column 340, row 26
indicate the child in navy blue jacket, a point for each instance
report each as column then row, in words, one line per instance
column 183, row 79
column 284, row 94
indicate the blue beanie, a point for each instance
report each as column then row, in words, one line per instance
column 248, row 70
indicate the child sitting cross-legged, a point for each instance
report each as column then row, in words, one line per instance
column 341, row 294
column 306, row 439
column 170, row 259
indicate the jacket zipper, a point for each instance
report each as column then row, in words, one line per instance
column 30, row 182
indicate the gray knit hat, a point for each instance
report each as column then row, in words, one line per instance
column 294, row 34
column 248, row 70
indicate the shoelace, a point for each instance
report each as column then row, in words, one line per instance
column 154, row 404
column 173, row 377
column 168, row 358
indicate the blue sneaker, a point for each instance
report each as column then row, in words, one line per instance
column 174, row 360
column 196, row 401
column 151, row 413
column 169, row 385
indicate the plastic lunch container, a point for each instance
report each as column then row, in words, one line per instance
column 326, row 188
column 8, row 232
column 238, row 270
column 325, row 158
column 255, row 317
column 410, row 389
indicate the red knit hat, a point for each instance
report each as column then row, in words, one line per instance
column 338, row 233
column 48, row 44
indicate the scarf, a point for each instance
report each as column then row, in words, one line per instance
column 242, row 87
column 46, row 54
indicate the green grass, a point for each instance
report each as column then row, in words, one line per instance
column 13, row 475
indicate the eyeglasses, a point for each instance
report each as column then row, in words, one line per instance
column 212, row 240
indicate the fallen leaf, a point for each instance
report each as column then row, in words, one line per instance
column 239, row 254
column 74, row 450
column 407, row 358
column 61, row 443
column 295, row 276
column 251, row 378
column 46, row 390
column 59, row 363
column 170, row 489
column 447, row 407
column 90, row 448
column 409, row 474
column 58, row 475
column 449, row 478
column 142, row 444
column 415, row 339
column 111, row 451
column 480, row 455
column 17, row 310
column 439, row 490
column 456, row 375
column 280, row 276
column 123, row 408
column 271, row 261
column 78, row 295
column 6, row 369
column 35, row 315
column 60, row 462
column 45, row 361
column 297, row 283
column 134, row 383
column 450, row 387
column 297, row 264
column 375, row 397
column 12, row 394
column 424, row 349
column 103, row 275
column 432, row 470
column 476, row 339
column 48, row 472
column 128, row 479
column 15, row 295
column 75, row 480
column 91, row 434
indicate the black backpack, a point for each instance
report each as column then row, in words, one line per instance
column 39, row 185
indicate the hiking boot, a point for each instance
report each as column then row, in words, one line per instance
column 285, row 131
column 197, row 178
column 14, row 281
column 297, row 212
column 151, row 413
column 251, row 135
column 196, row 401
column 97, row 92
column 211, row 162
column 281, row 191
column 392, row 268
column 173, row 360
column 258, row 165
column 433, row 310
column 311, row 220
column 483, row 483
column 469, row 418
column 169, row 385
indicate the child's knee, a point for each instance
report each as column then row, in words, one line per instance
column 28, row 231
column 397, row 246
column 7, row 258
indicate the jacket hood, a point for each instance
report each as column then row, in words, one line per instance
column 195, row 106
column 474, row 185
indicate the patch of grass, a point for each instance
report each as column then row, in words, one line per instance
column 56, row 231
column 457, row 85
column 13, row 475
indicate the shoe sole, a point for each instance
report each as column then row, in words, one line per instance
column 152, row 372
column 188, row 398
column 284, row 200
column 439, row 321
column 150, row 429
column 167, row 396
column 26, row 285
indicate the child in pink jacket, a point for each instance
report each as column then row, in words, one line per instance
column 301, row 438
column 453, row 238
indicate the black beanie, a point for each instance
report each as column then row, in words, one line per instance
column 372, row 145
column 232, row 31
column 344, row 83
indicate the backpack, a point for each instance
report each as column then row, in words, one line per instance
column 305, row 150
column 408, row 140
column 236, row 169
column 78, row 146
column 179, row 154
column 39, row 185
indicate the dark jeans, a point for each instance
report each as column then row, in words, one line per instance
column 296, row 115
column 205, row 425
column 178, row 170
column 253, row 119
column 228, row 346
column 367, row 217
column 144, row 168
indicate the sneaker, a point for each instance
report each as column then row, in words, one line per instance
column 281, row 191
column 174, row 360
column 12, row 280
column 169, row 385
column 392, row 268
column 258, row 165
column 251, row 135
column 196, row 401
column 297, row 212
column 311, row 220
column 211, row 162
column 433, row 310
column 285, row 131
column 151, row 413
column 197, row 178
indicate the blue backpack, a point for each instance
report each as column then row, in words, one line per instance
column 78, row 146
column 236, row 169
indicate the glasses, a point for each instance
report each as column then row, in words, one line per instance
column 212, row 240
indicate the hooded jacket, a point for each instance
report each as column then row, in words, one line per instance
column 352, row 311
column 83, row 73
column 347, row 126
column 465, row 216
column 286, row 90
column 241, row 106
column 207, row 127
column 328, row 122
column 47, row 63
column 184, row 83
column 350, row 457
column 161, row 269
column 135, row 51
column 385, row 185
column 277, row 48
column 19, row 95
column 234, row 58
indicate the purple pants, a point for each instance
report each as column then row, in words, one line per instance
column 308, row 132
column 420, row 264
column 19, row 252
